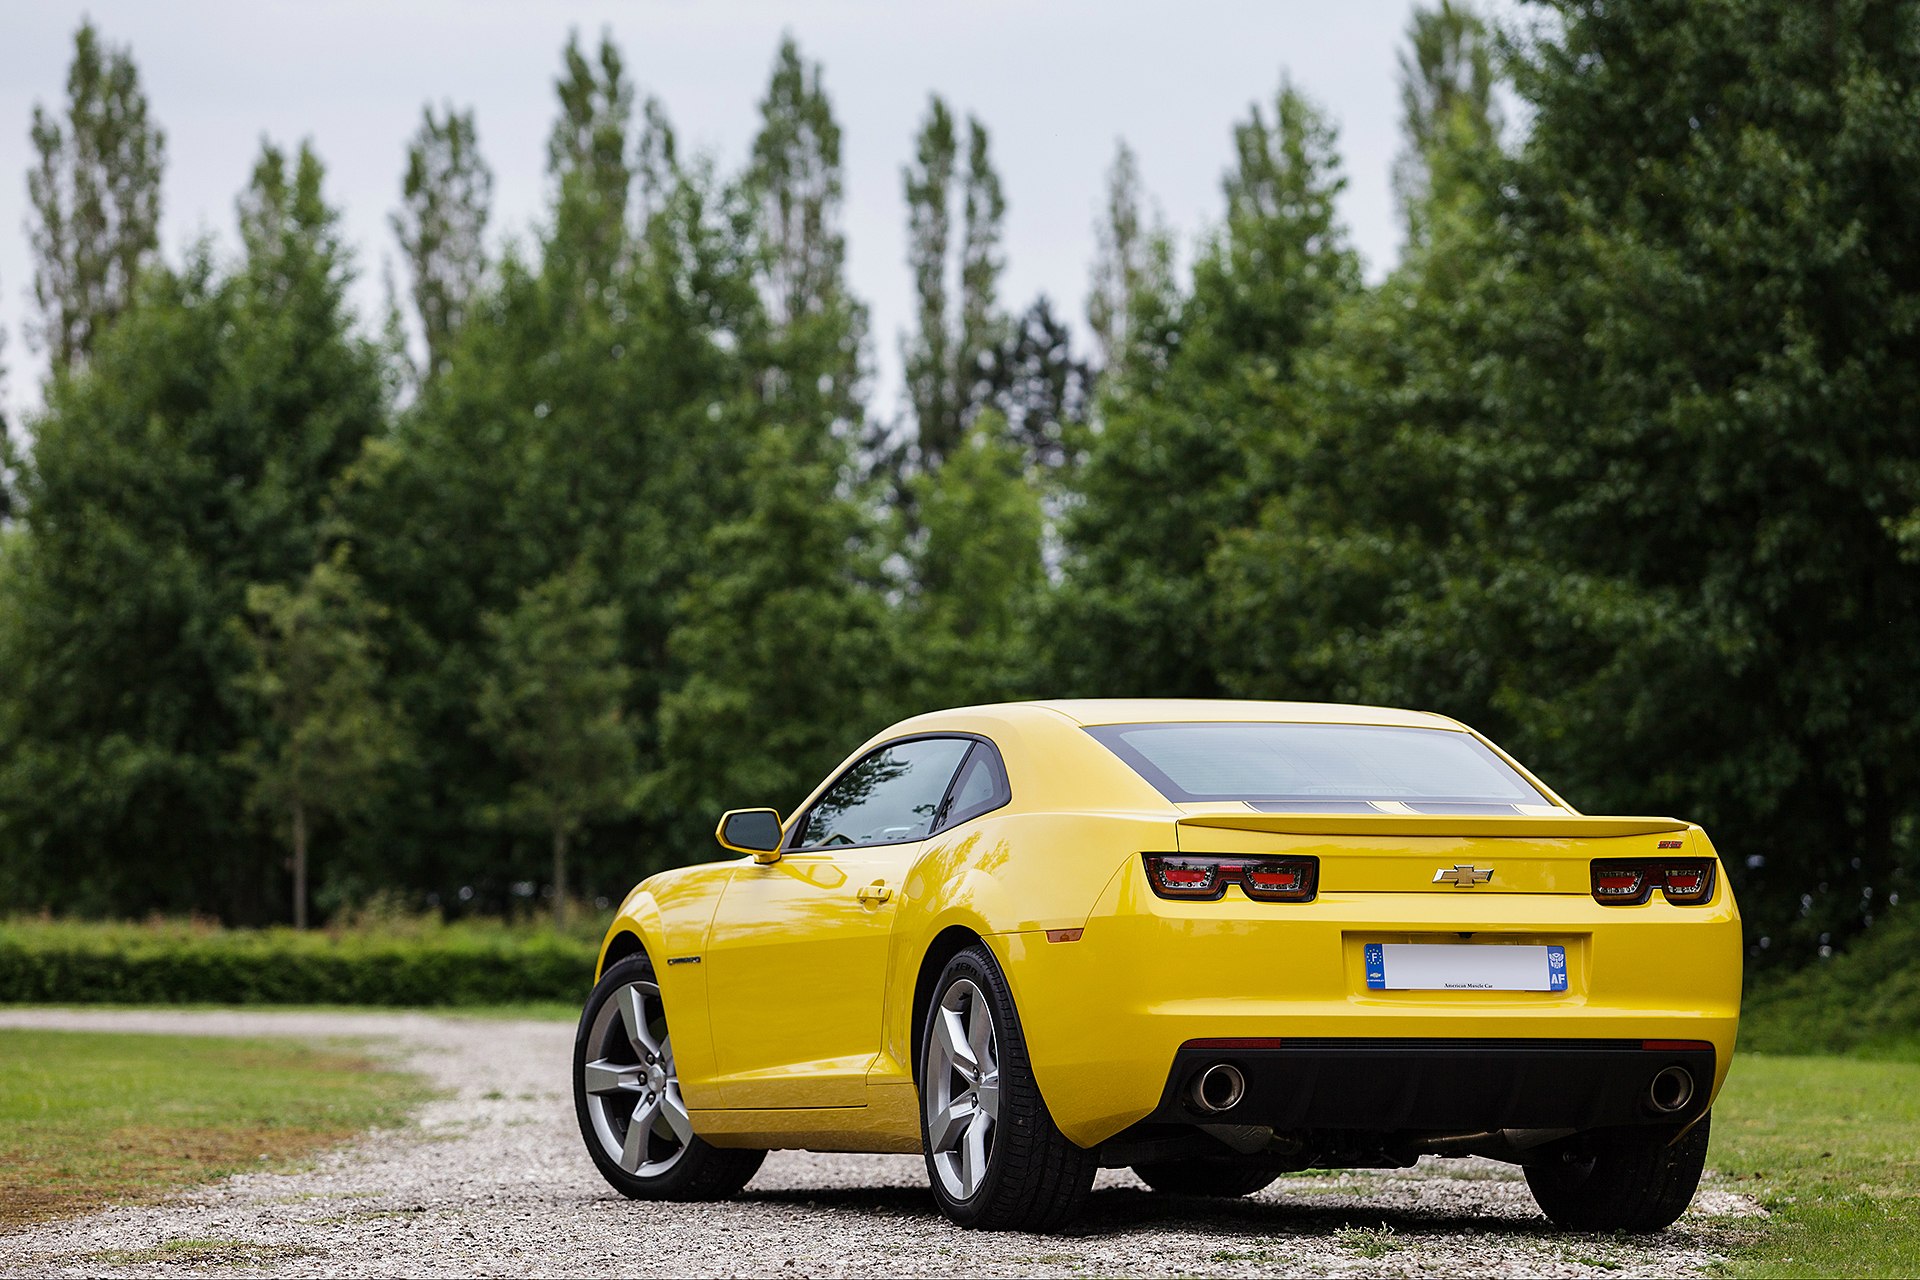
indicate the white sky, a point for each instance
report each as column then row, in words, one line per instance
column 1055, row 82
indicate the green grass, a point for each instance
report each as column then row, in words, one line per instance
column 87, row 1118
column 1831, row 1146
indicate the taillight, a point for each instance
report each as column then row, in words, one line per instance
column 1205, row 877
column 1631, row 881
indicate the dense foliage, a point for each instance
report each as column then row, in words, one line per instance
column 1620, row 463
column 193, row 964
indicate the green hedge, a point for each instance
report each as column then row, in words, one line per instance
column 1867, row 995
column 182, row 964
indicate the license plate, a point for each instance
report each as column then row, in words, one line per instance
column 1417, row 966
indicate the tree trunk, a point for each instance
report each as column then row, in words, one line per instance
column 559, row 877
column 299, row 865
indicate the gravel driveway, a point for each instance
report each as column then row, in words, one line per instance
column 492, row 1180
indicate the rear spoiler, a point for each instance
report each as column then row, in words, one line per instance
column 1571, row 827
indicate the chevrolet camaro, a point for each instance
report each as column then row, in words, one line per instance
column 1213, row 942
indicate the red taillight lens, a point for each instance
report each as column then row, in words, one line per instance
column 1631, row 881
column 1689, row 883
column 1205, row 877
column 1184, row 878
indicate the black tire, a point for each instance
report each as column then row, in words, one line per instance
column 1205, row 1177
column 1036, row 1178
column 701, row 1171
column 1637, row 1180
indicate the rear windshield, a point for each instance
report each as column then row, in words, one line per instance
column 1325, row 768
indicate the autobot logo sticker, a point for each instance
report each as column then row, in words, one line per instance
column 1556, row 968
column 1462, row 876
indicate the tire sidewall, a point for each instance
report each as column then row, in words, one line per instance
column 976, row 965
column 636, row 968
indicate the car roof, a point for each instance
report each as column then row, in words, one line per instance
column 1096, row 711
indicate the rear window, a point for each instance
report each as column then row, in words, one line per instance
column 1322, row 768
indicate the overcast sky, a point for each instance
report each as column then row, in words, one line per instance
column 1055, row 83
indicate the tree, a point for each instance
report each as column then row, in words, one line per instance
column 1042, row 391
column 328, row 741
column 782, row 639
column 447, row 192
column 1447, row 84
column 1193, row 438
column 795, row 185
column 196, row 452
column 95, row 196
column 554, row 704
column 1132, row 276
column 948, row 355
column 589, row 159
column 977, row 572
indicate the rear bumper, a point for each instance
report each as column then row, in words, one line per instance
column 1105, row 1017
column 1440, row 1086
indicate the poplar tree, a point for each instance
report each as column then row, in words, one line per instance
column 94, row 193
column 1132, row 285
column 947, row 357
column 590, row 160
column 794, row 181
column 1191, row 441
column 1447, row 103
column 447, row 193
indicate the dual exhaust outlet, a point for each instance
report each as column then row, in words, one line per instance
column 1221, row 1086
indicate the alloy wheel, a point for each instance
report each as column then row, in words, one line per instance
column 633, row 1090
column 962, row 1094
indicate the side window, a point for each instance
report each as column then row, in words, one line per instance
column 981, row 786
column 889, row 797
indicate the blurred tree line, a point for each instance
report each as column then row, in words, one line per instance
column 1620, row 463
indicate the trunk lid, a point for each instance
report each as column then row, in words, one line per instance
column 1456, row 854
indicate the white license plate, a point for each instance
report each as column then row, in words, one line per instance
column 1419, row 966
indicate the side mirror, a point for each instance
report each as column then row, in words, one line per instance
column 754, row 831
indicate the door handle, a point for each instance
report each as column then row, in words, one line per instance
column 875, row 892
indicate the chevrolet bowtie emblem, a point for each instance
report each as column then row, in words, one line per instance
column 1463, row 877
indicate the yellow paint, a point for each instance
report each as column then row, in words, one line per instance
column 796, row 1027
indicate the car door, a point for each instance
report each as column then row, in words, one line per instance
column 796, row 961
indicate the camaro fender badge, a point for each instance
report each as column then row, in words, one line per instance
column 683, row 960
column 1463, row 876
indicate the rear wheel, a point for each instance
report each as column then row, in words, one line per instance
column 626, row 1091
column 1204, row 1177
column 996, row 1160
column 1638, row 1179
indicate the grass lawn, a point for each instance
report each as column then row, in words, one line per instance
column 89, row 1117
column 1831, row 1146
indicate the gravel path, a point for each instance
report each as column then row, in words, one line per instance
column 492, row 1180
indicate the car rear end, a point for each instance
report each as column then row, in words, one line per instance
column 1356, row 947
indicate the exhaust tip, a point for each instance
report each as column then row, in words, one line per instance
column 1670, row 1090
column 1218, row 1088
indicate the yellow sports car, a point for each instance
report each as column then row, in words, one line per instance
column 1214, row 942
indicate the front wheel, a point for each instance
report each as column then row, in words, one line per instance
column 996, row 1159
column 626, row 1091
column 1637, row 1180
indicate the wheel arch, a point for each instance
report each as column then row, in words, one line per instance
column 946, row 944
column 623, row 942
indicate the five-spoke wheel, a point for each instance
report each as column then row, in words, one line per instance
column 633, row 1092
column 627, row 1095
column 962, row 1089
column 994, row 1155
